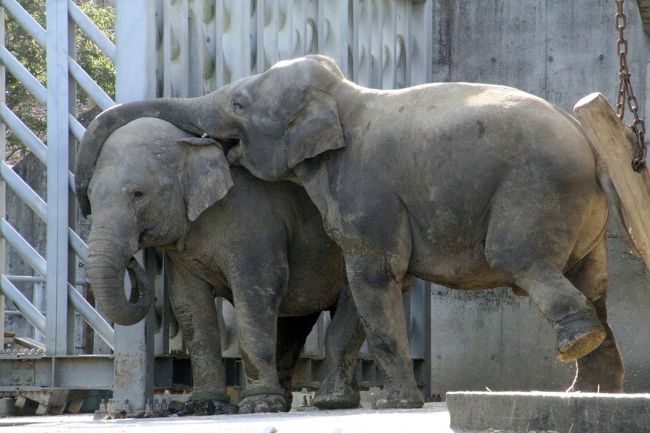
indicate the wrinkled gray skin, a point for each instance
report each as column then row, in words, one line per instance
column 261, row 245
column 467, row 185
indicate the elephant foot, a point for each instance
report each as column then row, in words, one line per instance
column 578, row 335
column 342, row 397
column 207, row 407
column 260, row 403
column 399, row 399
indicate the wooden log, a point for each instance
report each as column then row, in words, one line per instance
column 615, row 142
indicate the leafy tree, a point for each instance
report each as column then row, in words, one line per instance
column 23, row 46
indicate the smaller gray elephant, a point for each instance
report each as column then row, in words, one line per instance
column 260, row 245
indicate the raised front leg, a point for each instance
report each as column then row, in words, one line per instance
column 377, row 294
column 193, row 304
column 256, row 302
column 345, row 335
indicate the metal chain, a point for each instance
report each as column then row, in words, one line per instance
column 625, row 92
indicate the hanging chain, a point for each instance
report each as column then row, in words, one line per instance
column 625, row 92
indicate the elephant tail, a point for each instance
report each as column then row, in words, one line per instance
column 605, row 181
column 615, row 208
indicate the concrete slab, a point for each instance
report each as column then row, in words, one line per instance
column 432, row 418
column 549, row 412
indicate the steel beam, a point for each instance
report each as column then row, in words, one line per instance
column 24, row 191
column 26, row 251
column 26, row 21
column 91, row 31
column 89, row 85
column 135, row 79
column 58, row 105
column 23, row 75
column 24, row 134
column 90, row 315
column 28, row 310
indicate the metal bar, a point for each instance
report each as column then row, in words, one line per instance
column 26, row 21
column 135, row 79
column 43, row 373
column 76, row 128
column 93, row 90
column 90, row 315
column 28, row 310
column 24, row 191
column 71, row 181
column 23, row 75
column 24, row 134
column 58, row 104
column 25, row 279
column 78, row 245
column 90, row 30
column 3, row 186
column 23, row 247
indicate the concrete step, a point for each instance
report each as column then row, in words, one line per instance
column 549, row 412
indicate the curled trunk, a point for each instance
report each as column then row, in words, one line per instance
column 107, row 262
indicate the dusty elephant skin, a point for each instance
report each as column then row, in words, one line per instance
column 467, row 185
column 261, row 245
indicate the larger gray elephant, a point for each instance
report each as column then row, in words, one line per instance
column 466, row 185
column 261, row 245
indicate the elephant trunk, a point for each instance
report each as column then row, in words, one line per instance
column 189, row 114
column 109, row 257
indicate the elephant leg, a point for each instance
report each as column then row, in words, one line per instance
column 256, row 304
column 533, row 259
column 292, row 333
column 377, row 294
column 345, row 335
column 601, row 370
column 193, row 304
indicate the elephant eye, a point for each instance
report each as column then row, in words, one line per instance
column 237, row 105
column 137, row 194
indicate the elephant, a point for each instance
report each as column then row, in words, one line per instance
column 260, row 245
column 471, row 186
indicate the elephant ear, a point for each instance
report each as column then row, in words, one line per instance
column 315, row 129
column 205, row 175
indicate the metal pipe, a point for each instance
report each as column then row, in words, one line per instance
column 28, row 310
column 78, row 245
column 24, row 134
column 24, row 191
column 97, row 322
column 25, row 20
column 76, row 128
column 21, row 73
column 93, row 90
column 23, row 247
column 25, row 279
column 93, row 33
column 38, row 299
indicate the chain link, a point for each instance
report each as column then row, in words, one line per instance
column 625, row 92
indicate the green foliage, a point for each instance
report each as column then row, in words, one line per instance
column 33, row 57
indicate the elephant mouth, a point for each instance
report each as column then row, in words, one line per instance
column 144, row 234
column 228, row 144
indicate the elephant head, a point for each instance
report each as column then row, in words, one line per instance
column 277, row 119
column 148, row 182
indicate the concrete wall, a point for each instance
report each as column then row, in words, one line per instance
column 560, row 51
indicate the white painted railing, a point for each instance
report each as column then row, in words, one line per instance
column 57, row 268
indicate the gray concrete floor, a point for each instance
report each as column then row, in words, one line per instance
column 433, row 418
